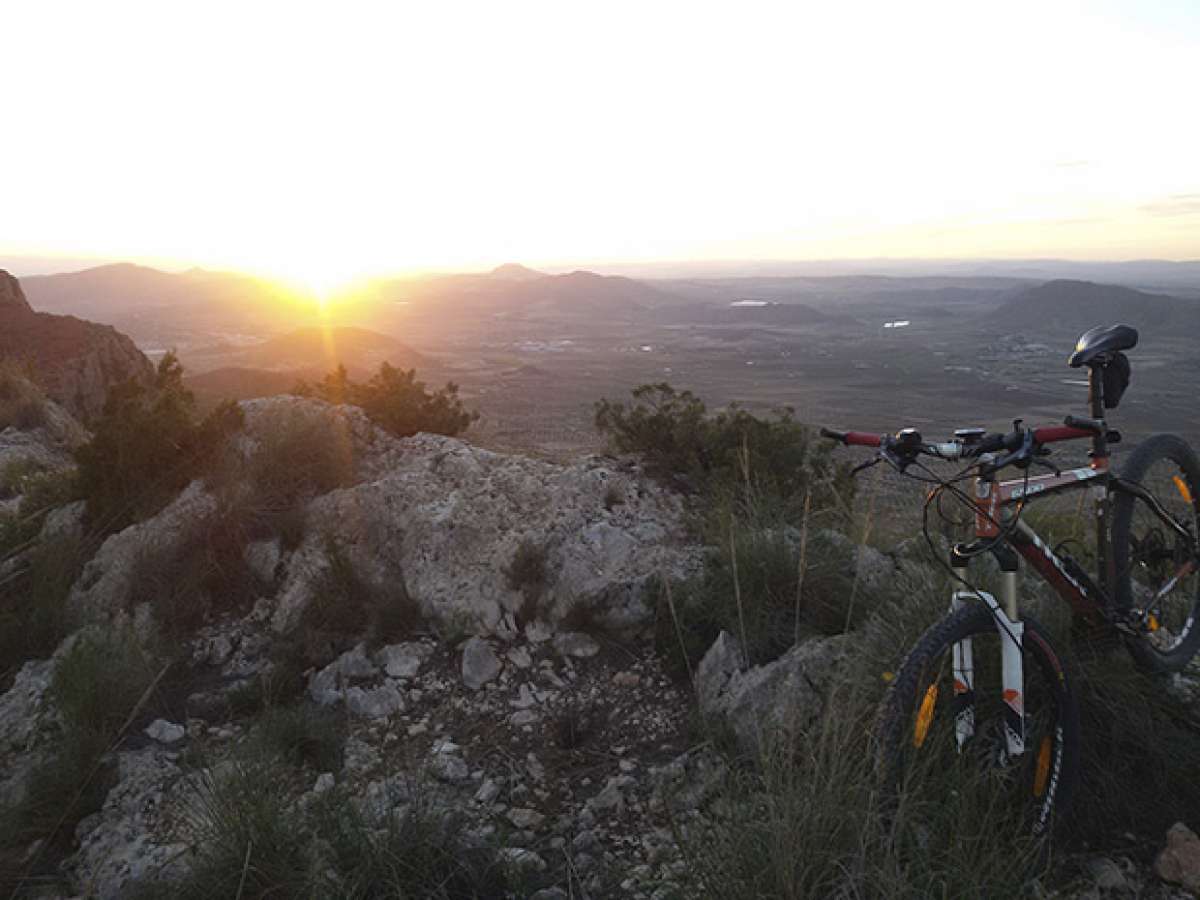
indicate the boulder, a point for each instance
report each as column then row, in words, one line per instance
column 103, row 588
column 447, row 519
column 479, row 663
column 118, row 845
column 774, row 700
column 1179, row 861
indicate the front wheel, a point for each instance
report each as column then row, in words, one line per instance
column 1152, row 560
column 921, row 759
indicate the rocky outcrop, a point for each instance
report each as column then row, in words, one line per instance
column 1179, row 862
column 74, row 361
column 774, row 700
column 12, row 298
column 449, row 519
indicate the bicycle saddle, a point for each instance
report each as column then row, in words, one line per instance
column 1098, row 343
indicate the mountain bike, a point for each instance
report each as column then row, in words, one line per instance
column 984, row 691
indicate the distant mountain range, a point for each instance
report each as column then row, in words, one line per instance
column 1075, row 306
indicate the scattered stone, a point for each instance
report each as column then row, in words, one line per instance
column 1179, row 861
column 324, row 783
column 449, row 768
column 331, row 684
column 1106, row 874
column 488, row 791
column 525, row 698
column 575, row 643
column 523, row 817
column 403, row 660
column 479, row 663
column 375, row 703
column 519, row 657
column 626, row 679
column 165, row 732
column 521, row 859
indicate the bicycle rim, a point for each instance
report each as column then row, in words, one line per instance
column 1155, row 555
column 934, row 776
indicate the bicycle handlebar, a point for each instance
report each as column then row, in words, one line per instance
column 907, row 444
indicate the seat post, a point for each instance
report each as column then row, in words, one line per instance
column 1096, row 402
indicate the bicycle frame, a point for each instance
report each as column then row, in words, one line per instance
column 1008, row 539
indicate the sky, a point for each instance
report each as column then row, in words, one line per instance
column 327, row 141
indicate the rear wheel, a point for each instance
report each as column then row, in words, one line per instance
column 919, row 755
column 1148, row 553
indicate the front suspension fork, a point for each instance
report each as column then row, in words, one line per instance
column 1012, row 636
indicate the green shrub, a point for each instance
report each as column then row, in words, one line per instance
column 396, row 401
column 146, row 446
column 732, row 451
column 16, row 474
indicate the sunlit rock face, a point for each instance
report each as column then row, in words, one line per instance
column 12, row 298
column 74, row 361
column 448, row 520
column 443, row 521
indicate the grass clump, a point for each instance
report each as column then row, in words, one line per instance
column 396, row 401
column 760, row 488
column 203, row 577
column 527, row 573
column 22, row 404
column 347, row 608
column 99, row 686
column 253, row 845
column 302, row 734
column 33, row 602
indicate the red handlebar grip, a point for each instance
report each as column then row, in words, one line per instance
column 1053, row 433
column 862, row 438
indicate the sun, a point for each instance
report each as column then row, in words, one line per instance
column 314, row 278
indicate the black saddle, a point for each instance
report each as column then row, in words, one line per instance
column 1100, row 345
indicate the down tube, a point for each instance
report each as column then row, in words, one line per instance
column 1050, row 567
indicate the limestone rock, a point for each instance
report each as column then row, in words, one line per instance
column 105, row 584
column 479, row 663
column 165, row 732
column 445, row 519
column 333, row 682
column 117, row 846
column 575, row 643
column 772, row 699
column 403, row 660
column 1179, row 861
column 375, row 703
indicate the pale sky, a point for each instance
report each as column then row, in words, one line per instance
column 324, row 141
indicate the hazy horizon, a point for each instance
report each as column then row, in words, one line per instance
column 323, row 147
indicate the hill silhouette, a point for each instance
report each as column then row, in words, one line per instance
column 1075, row 306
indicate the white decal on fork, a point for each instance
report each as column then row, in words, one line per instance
column 964, row 681
column 1012, row 638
